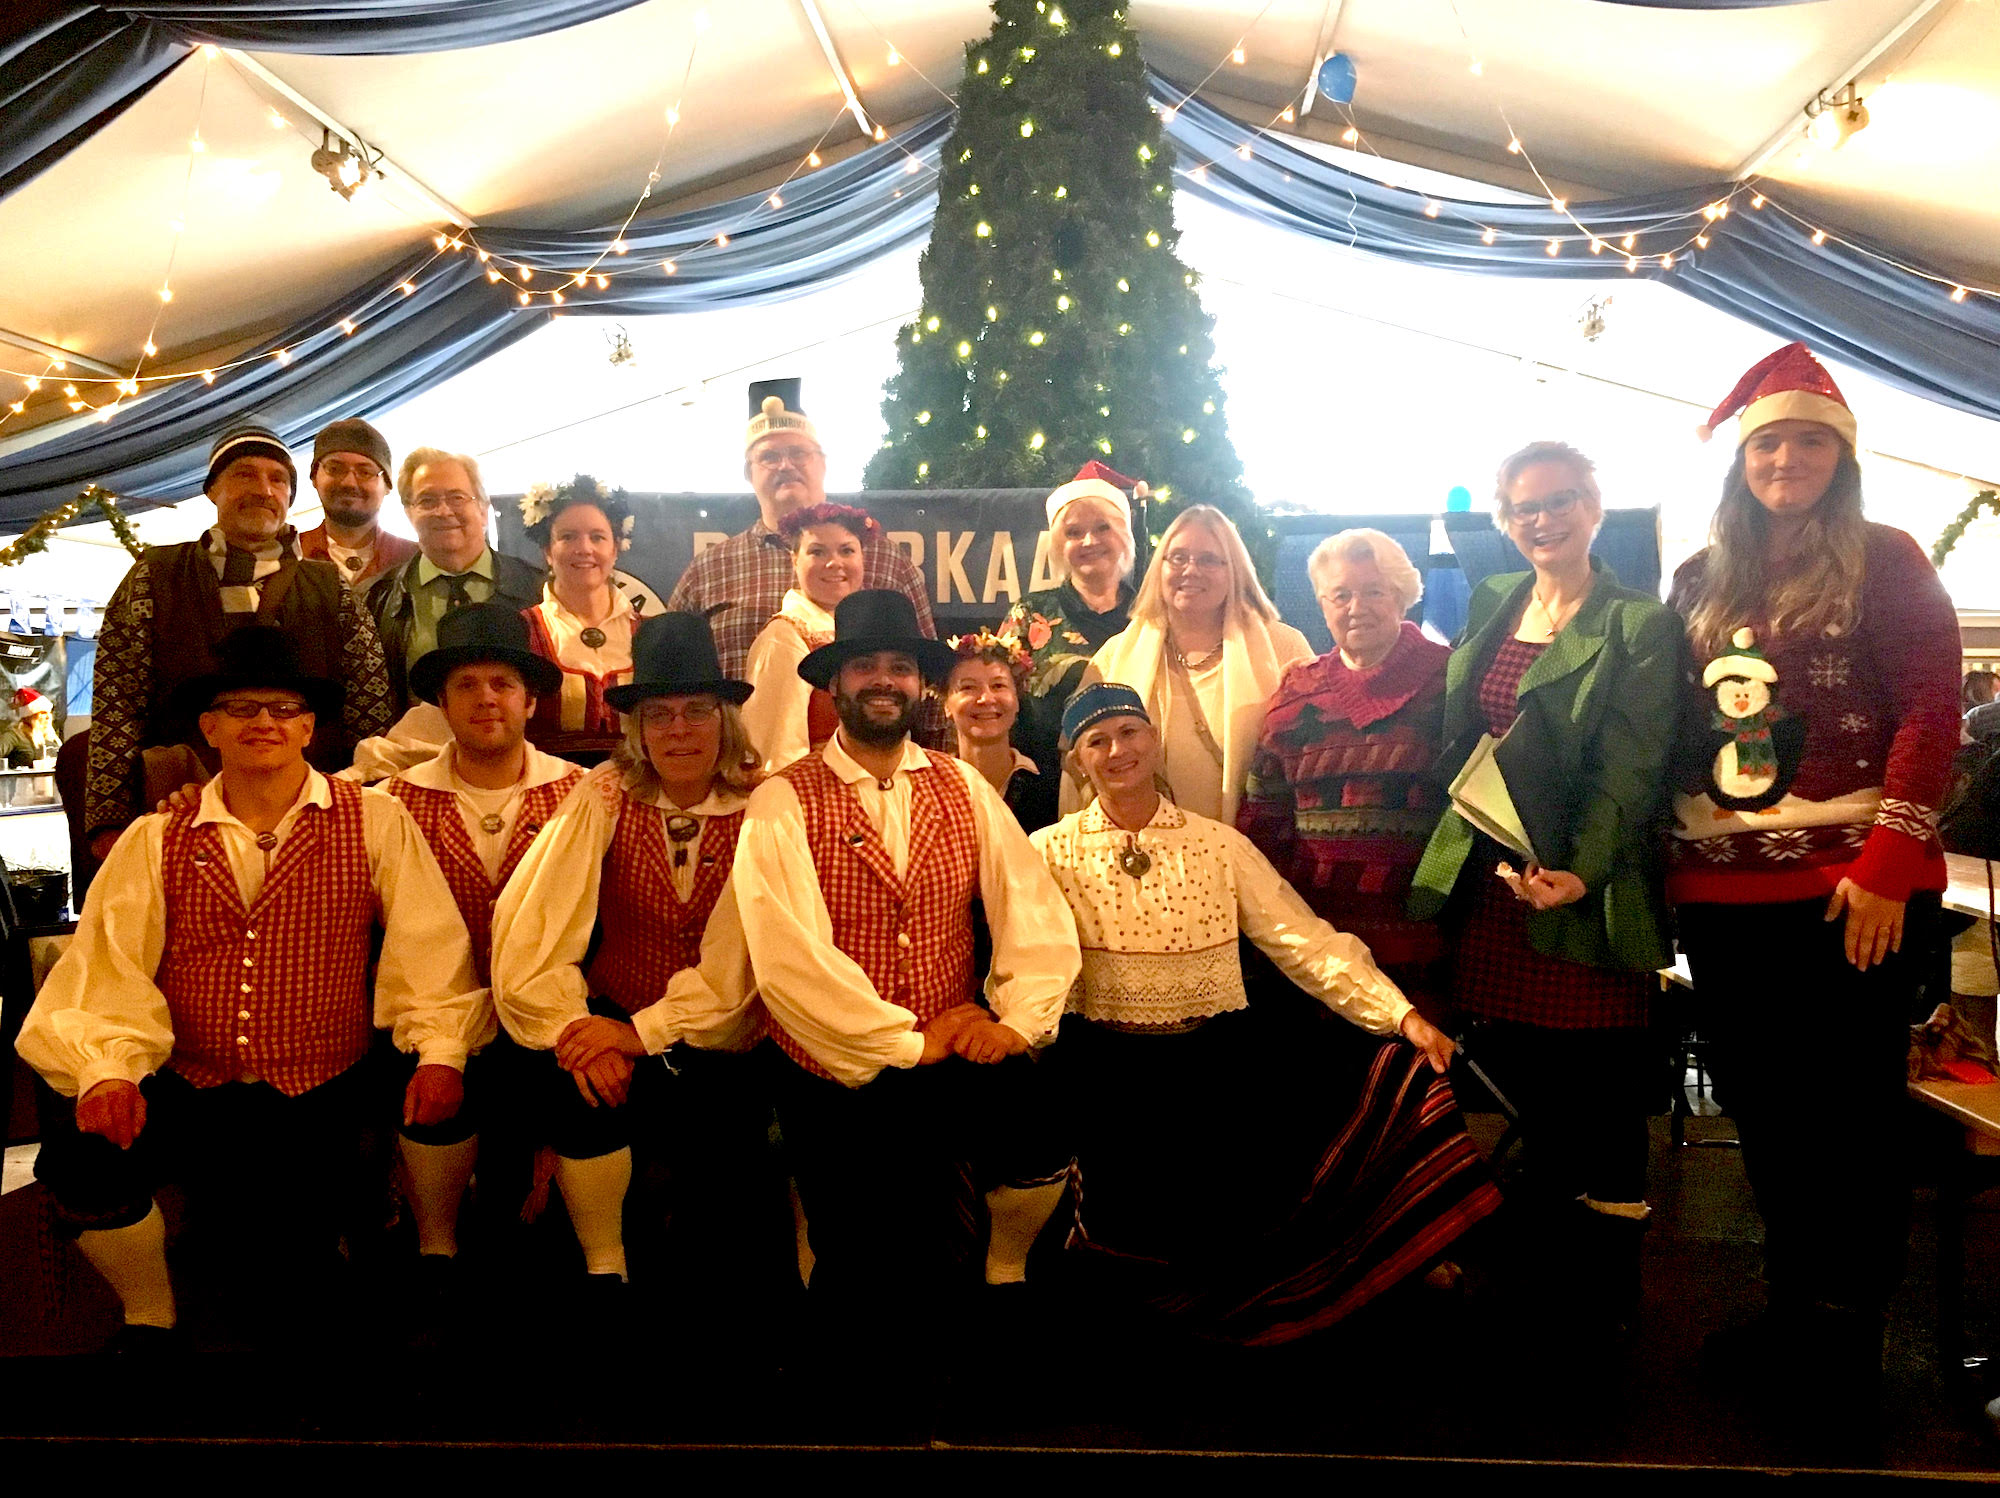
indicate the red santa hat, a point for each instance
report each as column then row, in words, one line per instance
column 28, row 702
column 1097, row 481
column 1789, row 385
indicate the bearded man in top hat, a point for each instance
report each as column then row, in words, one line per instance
column 178, row 604
column 855, row 875
column 350, row 470
column 211, row 1021
column 739, row 584
column 479, row 804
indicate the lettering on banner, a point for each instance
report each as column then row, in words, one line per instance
column 912, row 543
column 951, row 565
column 1001, row 573
column 1042, row 576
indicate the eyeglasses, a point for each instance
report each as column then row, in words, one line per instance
column 456, row 499
column 1555, row 506
column 786, row 457
column 1198, row 561
column 245, row 709
column 1340, row 598
column 336, row 470
column 661, row 714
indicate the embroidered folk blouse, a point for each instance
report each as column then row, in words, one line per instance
column 1159, row 949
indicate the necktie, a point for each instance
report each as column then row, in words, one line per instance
column 459, row 595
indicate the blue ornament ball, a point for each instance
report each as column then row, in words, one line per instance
column 1337, row 77
column 1459, row 500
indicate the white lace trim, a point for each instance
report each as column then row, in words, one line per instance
column 1158, row 988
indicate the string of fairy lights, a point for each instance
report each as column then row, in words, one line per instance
column 1663, row 244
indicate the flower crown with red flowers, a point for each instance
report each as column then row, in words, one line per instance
column 986, row 645
column 848, row 517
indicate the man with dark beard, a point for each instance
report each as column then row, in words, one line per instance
column 855, row 875
column 350, row 469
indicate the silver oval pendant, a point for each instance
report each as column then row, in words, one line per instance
column 490, row 823
column 592, row 637
column 1134, row 860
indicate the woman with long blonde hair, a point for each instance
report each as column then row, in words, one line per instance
column 1816, row 745
column 1205, row 651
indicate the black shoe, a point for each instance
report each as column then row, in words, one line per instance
column 1808, row 1356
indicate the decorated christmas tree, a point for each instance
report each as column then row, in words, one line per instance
column 1058, row 324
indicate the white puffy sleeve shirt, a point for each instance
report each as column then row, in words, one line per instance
column 101, row 1016
column 1159, row 948
column 820, row 994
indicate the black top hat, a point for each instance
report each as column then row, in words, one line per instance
column 256, row 657
column 673, row 655
column 483, row 632
column 871, row 620
column 786, row 391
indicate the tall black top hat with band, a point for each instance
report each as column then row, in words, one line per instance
column 871, row 620
column 483, row 632
column 255, row 658
column 673, row 655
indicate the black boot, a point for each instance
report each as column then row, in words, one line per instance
column 1610, row 1248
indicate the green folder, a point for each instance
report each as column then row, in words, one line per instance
column 1479, row 794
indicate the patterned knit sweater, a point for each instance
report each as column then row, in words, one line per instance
column 1861, row 792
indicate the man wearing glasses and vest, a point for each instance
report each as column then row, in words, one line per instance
column 210, row 1023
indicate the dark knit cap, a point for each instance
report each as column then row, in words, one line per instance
column 352, row 435
column 249, row 439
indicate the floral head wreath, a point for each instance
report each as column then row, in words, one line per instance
column 544, row 501
column 847, row 516
column 1003, row 649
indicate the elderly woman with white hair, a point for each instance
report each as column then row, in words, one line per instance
column 1091, row 549
column 1205, row 651
column 1341, row 798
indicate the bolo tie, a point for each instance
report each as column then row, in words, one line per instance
column 1134, row 859
column 592, row 637
column 682, row 830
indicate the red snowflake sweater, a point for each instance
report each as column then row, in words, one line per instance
column 1862, row 791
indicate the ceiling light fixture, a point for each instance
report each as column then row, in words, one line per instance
column 345, row 166
column 1833, row 117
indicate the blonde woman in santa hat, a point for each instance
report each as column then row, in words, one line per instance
column 1091, row 549
column 1205, row 650
column 1817, row 740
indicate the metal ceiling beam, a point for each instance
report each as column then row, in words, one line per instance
column 1795, row 126
column 59, row 355
column 444, row 206
column 818, row 24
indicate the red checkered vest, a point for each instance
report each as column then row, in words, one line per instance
column 646, row 934
column 912, row 936
column 280, row 990
column 437, row 816
column 600, row 727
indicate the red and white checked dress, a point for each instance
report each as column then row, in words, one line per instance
column 280, row 990
column 912, row 935
column 439, row 819
column 1496, row 971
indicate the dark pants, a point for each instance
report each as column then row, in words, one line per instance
column 1808, row 1055
column 1584, row 1097
column 891, row 1173
column 251, row 1160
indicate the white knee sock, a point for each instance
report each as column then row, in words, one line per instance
column 134, row 1260
column 1019, row 1214
column 437, row 1175
column 594, row 1192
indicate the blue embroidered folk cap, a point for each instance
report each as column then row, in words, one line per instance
column 1103, row 699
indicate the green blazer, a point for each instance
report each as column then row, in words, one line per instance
column 1586, row 764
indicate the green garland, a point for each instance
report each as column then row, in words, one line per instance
column 1985, row 499
column 36, row 537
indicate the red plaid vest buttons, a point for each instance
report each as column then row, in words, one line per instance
column 439, row 819
column 279, row 990
column 646, row 934
column 912, row 936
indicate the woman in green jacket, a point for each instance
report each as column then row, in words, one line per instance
column 1555, row 956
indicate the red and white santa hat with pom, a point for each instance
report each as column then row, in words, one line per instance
column 28, row 702
column 1790, row 385
column 1096, row 481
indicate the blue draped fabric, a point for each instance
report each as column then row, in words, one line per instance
column 1760, row 265
column 833, row 222
column 68, row 69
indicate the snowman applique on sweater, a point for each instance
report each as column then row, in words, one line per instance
column 1757, row 745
